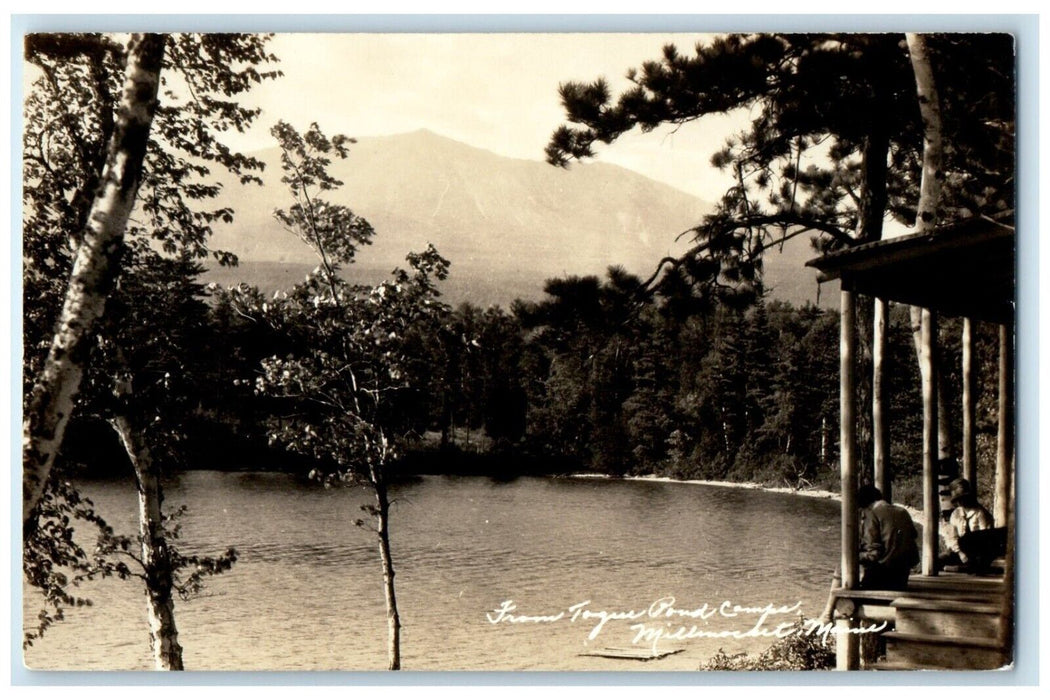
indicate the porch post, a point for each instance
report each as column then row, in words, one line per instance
column 848, row 441
column 1005, row 488
column 969, row 397
column 930, row 499
column 848, row 645
column 880, row 434
column 1005, row 453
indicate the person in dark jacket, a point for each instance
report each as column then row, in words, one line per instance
column 888, row 542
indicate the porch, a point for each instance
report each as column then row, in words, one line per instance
column 948, row 621
column 943, row 619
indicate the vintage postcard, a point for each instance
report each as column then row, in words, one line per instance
column 519, row 351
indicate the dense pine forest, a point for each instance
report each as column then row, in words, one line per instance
column 597, row 377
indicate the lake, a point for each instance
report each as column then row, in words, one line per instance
column 306, row 592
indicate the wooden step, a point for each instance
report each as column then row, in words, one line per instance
column 954, row 576
column 993, row 571
column 956, row 581
column 945, row 604
column 954, row 618
column 860, row 597
column 942, row 652
column 877, row 613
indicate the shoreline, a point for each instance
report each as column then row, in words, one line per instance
column 916, row 515
column 749, row 485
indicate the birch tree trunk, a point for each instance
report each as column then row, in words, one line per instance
column 94, row 271
column 160, row 607
column 929, row 196
column 932, row 149
column 871, row 427
column 944, row 424
column 383, row 533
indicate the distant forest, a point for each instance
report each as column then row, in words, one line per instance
column 596, row 377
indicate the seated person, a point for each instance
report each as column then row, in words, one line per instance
column 947, row 471
column 970, row 536
column 888, row 542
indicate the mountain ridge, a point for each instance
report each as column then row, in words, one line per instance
column 506, row 224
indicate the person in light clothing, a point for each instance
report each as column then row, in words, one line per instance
column 965, row 547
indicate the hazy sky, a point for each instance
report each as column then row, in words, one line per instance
column 494, row 91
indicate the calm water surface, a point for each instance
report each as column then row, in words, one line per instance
column 307, row 593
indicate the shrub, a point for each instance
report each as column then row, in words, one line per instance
column 797, row 652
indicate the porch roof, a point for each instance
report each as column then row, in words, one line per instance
column 962, row 269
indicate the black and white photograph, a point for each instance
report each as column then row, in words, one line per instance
column 519, row 351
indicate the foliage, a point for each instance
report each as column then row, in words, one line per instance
column 832, row 147
column 347, row 389
column 635, row 384
column 357, row 355
column 56, row 564
column 795, row 652
column 151, row 341
column 828, row 113
column 351, row 364
column 589, row 332
column 333, row 231
column 69, row 118
column 189, row 571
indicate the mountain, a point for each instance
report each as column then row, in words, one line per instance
column 506, row 224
